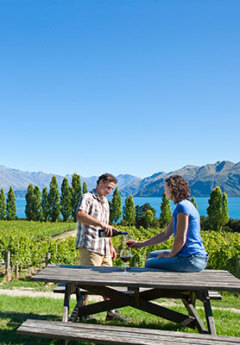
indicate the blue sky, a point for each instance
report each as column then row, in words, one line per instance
column 120, row 86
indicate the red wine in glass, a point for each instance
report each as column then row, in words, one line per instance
column 125, row 258
column 125, row 255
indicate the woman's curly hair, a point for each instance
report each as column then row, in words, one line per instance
column 179, row 188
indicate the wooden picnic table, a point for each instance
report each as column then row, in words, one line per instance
column 141, row 287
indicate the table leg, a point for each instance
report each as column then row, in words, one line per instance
column 67, row 296
column 189, row 303
column 208, row 313
column 66, row 303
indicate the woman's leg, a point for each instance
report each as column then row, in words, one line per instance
column 155, row 253
column 178, row 263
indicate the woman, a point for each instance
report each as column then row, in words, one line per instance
column 187, row 253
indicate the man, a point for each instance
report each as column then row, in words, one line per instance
column 93, row 214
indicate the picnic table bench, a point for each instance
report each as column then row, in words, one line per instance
column 112, row 335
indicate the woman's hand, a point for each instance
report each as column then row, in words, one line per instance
column 134, row 244
column 165, row 255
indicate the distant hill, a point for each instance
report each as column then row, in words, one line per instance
column 201, row 180
column 20, row 180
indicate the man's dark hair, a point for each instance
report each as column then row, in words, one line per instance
column 179, row 188
column 107, row 178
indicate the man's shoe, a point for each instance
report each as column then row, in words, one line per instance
column 115, row 315
column 89, row 318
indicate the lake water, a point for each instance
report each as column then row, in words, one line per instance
column 202, row 203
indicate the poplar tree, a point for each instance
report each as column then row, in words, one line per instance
column 37, row 204
column 76, row 191
column 65, row 200
column 115, row 207
column 149, row 217
column 218, row 209
column 53, row 200
column 11, row 205
column 225, row 214
column 193, row 201
column 45, row 207
column 166, row 214
column 85, row 188
column 2, row 205
column 129, row 212
column 29, row 202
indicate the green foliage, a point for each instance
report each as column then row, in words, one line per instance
column 76, row 194
column 29, row 202
column 53, row 200
column 145, row 216
column 233, row 225
column 129, row 212
column 65, row 200
column 166, row 214
column 11, row 205
column 115, row 207
column 85, row 188
column 193, row 201
column 37, row 204
column 45, row 206
column 2, row 205
column 225, row 215
column 204, row 223
column 29, row 241
column 218, row 209
column 223, row 250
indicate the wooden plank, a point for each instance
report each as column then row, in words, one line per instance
column 209, row 315
column 66, row 303
column 168, row 314
column 220, row 280
column 192, row 311
column 119, row 335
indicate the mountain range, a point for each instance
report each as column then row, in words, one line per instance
column 201, row 179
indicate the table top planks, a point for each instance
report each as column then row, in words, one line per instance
column 139, row 277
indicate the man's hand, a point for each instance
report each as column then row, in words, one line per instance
column 113, row 253
column 108, row 229
column 165, row 255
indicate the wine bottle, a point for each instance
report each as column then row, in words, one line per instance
column 102, row 233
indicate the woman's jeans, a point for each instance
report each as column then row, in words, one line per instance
column 178, row 263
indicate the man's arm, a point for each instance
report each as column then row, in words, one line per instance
column 85, row 218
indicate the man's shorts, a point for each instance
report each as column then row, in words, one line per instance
column 89, row 258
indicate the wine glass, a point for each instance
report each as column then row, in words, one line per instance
column 125, row 255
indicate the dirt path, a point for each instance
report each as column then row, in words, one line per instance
column 29, row 292
column 64, row 235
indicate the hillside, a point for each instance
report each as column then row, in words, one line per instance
column 201, row 179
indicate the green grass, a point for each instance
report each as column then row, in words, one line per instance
column 15, row 310
column 25, row 283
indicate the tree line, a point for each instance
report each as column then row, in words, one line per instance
column 145, row 216
column 50, row 204
column 46, row 205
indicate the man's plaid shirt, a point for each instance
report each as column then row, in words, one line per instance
column 87, row 235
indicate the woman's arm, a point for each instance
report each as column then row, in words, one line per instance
column 163, row 236
column 181, row 235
